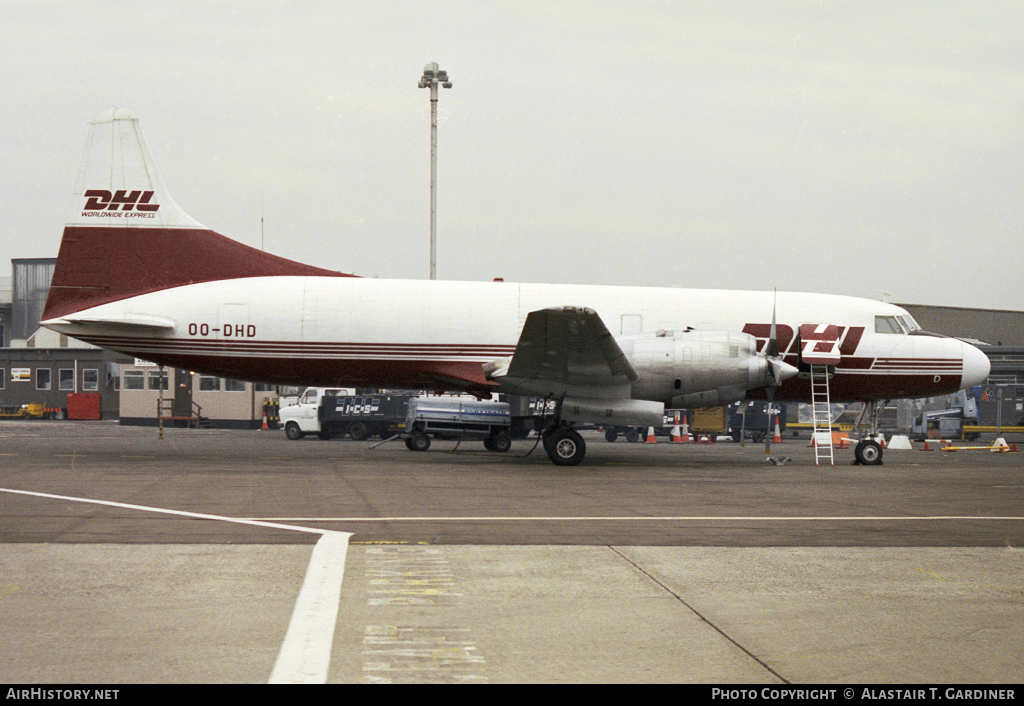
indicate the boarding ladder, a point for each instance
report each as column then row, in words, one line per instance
column 822, row 412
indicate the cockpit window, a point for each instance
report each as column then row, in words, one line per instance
column 909, row 324
column 887, row 324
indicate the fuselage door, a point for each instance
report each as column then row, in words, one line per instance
column 819, row 344
column 632, row 324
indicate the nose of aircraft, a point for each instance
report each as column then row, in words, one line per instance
column 976, row 366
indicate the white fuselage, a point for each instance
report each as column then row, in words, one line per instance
column 380, row 332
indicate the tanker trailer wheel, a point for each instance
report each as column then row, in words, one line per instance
column 418, row 442
column 499, row 442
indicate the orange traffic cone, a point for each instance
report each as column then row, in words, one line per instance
column 651, row 438
column 778, row 434
column 265, row 427
column 685, row 437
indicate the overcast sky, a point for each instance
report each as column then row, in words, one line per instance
column 842, row 147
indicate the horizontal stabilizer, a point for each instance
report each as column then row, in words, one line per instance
column 143, row 322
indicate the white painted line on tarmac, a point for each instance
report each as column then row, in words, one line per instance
column 306, row 651
column 305, row 655
column 166, row 511
column 644, row 518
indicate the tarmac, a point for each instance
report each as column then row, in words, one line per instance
column 215, row 556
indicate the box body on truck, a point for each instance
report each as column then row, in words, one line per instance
column 336, row 412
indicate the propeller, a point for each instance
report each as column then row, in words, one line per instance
column 778, row 370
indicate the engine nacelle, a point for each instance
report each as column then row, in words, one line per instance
column 709, row 398
column 628, row 413
column 708, row 364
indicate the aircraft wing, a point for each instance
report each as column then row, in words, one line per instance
column 566, row 351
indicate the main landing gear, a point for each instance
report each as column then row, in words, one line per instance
column 564, row 446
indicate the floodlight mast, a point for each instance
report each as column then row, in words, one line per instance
column 432, row 76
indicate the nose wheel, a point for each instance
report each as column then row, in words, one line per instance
column 868, row 453
column 564, row 446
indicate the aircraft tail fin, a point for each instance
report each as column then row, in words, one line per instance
column 126, row 236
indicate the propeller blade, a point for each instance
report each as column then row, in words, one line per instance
column 772, row 349
column 775, row 370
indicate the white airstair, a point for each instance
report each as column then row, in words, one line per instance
column 820, row 349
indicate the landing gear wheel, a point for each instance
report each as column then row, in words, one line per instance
column 565, row 447
column 868, row 453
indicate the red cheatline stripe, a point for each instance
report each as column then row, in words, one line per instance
column 261, row 348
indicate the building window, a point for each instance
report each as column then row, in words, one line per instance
column 234, row 385
column 134, row 380
column 157, row 379
column 90, row 380
column 42, row 378
column 263, row 387
column 66, row 379
column 3, row 378
column 209, row 383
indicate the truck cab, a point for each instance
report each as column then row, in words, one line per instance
column 303, row 417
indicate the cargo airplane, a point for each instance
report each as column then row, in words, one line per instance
column 136, row 274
